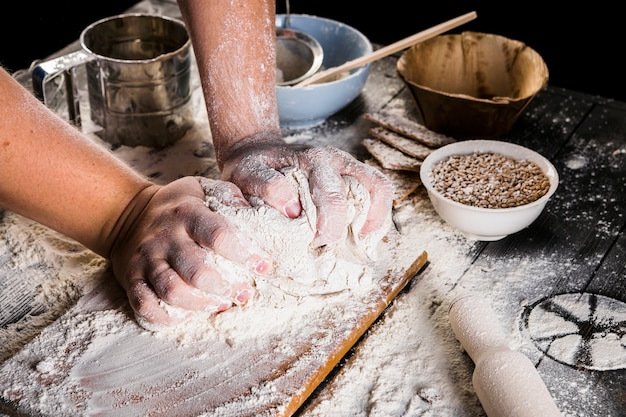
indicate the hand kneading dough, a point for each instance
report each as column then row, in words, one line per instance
column 300, row 270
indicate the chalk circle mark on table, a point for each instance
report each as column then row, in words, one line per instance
column 581, row 330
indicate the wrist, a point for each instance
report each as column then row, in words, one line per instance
column 259, row 140
column 128, row 218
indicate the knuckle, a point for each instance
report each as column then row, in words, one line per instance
column 166, row 287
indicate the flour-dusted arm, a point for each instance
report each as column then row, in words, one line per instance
column 156, row 236
column 234, row 44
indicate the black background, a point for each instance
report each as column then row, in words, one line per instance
column 582, row 46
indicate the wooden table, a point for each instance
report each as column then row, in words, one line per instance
column 574, row 252
column 570, row 260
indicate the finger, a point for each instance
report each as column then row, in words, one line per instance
column 149, row 309
column 379, row 188
column 166, row 299
column 328, row 192
column 153, row 313
column 270, row 185
column 226, row 192
column 171, row 288
column 200, row 269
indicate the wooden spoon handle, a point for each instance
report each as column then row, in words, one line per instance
column 390, row 49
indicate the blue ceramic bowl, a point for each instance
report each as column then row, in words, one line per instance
column 302, row 107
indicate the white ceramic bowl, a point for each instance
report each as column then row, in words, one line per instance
column 487, row 223
column 302, row 107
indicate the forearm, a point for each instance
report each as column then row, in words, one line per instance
column 234, row 44
column 51, row 173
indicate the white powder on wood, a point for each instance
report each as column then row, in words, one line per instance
column 99, row 360
column 408, row 363
column 47, row 266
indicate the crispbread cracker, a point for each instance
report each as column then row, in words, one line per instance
column 408, row 146
column 404, row 182
column 390, row 157
column 410, row 129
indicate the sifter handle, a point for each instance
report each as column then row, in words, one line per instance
column 44, row 72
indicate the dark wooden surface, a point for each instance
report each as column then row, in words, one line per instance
column 577, row 245
column 581, row 230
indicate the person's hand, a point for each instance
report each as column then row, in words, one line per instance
column 160, row 253
column 254, row 165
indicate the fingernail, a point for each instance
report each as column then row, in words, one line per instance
column 259, row 266
column 222, row 307
column 243, row 296
column 292, row 209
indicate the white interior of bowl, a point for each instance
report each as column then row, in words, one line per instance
column 484, row 223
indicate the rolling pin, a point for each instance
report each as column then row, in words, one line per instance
column 505, row 380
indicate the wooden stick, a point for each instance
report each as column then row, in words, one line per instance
column 390, row 49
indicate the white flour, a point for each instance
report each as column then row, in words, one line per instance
column 300, row 270
column 407, row 364
column 52, row 269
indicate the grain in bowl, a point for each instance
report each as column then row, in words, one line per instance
column 489, row 180
column 488, row 189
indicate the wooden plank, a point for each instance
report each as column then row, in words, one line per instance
column 96, row 359
column 549, row 121
column 610, row 278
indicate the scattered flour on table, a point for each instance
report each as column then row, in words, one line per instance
column 408, row 363
column 44, row 276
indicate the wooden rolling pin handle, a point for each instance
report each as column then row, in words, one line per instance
column 505, row 380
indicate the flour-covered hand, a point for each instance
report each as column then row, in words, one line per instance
column 160, row 253
column 254, row 164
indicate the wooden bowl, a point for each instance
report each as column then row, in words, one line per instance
column 472, row 85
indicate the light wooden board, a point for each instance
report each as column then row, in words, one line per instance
column 95, row 360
